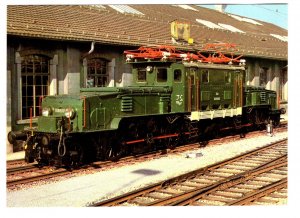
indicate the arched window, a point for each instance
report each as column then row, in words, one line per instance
column 97, row 73
column 35, row 83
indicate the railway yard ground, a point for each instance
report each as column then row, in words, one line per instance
column 86, row 189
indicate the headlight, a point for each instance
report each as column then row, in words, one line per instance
column 70, row 113
column 46, row 111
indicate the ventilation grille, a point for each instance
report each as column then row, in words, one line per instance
column 126, row 104
column 263, row 96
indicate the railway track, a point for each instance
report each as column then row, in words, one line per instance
column 257, row 177
column 14, row 170
column 15, row 163
column 31, row 173
column 35, row 174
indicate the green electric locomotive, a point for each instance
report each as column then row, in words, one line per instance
column 169, row 102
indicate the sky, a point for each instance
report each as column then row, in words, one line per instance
column 272, row 13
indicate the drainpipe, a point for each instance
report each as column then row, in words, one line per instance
column 91, row 50
column 83, row 58
column 92, row 47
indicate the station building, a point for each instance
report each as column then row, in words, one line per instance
column 57, row 49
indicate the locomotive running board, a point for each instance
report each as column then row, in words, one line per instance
column 200, row 115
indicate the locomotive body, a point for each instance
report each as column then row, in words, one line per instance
column 168, row 103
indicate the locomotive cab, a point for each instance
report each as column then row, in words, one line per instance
column 195, row 86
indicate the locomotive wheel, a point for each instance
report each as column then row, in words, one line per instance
column 77, row 157
column 114, row 154
column 276, row 121
column 114, row 150
column 132, row 132
column 28, row 157
column 41, row 158
column 242, row 135
column 171, row 142
column 29, row 152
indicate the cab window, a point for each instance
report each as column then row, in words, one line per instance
column 227, row 77
column 162, row 74
column 204, row 76
column 177, row 75
column 216, row 76
column 141, row 75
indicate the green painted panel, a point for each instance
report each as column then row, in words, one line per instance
column 205, row 95
column 47, row 124
column 227, row 95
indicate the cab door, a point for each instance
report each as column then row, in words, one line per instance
column 193, row 89
column 178, row 98
column 238, row 89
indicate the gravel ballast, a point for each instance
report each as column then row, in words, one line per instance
column 83, row 190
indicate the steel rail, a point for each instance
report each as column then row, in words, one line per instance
column 11, row 162
column 38, row 177
column 230, row 181
column 181, row 198
column 256, row 194
column 10, row 171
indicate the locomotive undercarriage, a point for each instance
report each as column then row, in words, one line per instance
column 134, row 136
column 260, row 117
column 52, row 149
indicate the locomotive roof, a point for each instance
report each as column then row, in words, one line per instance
column 145, row 25
column 213, row 66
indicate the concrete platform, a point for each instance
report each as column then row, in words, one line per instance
column 15, row 155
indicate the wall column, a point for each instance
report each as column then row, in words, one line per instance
column 255, row 81
column 111, row 72
column 275, row 82
column 53, row 76
column 72, row 79
column 9, row 147
column 249, row 74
